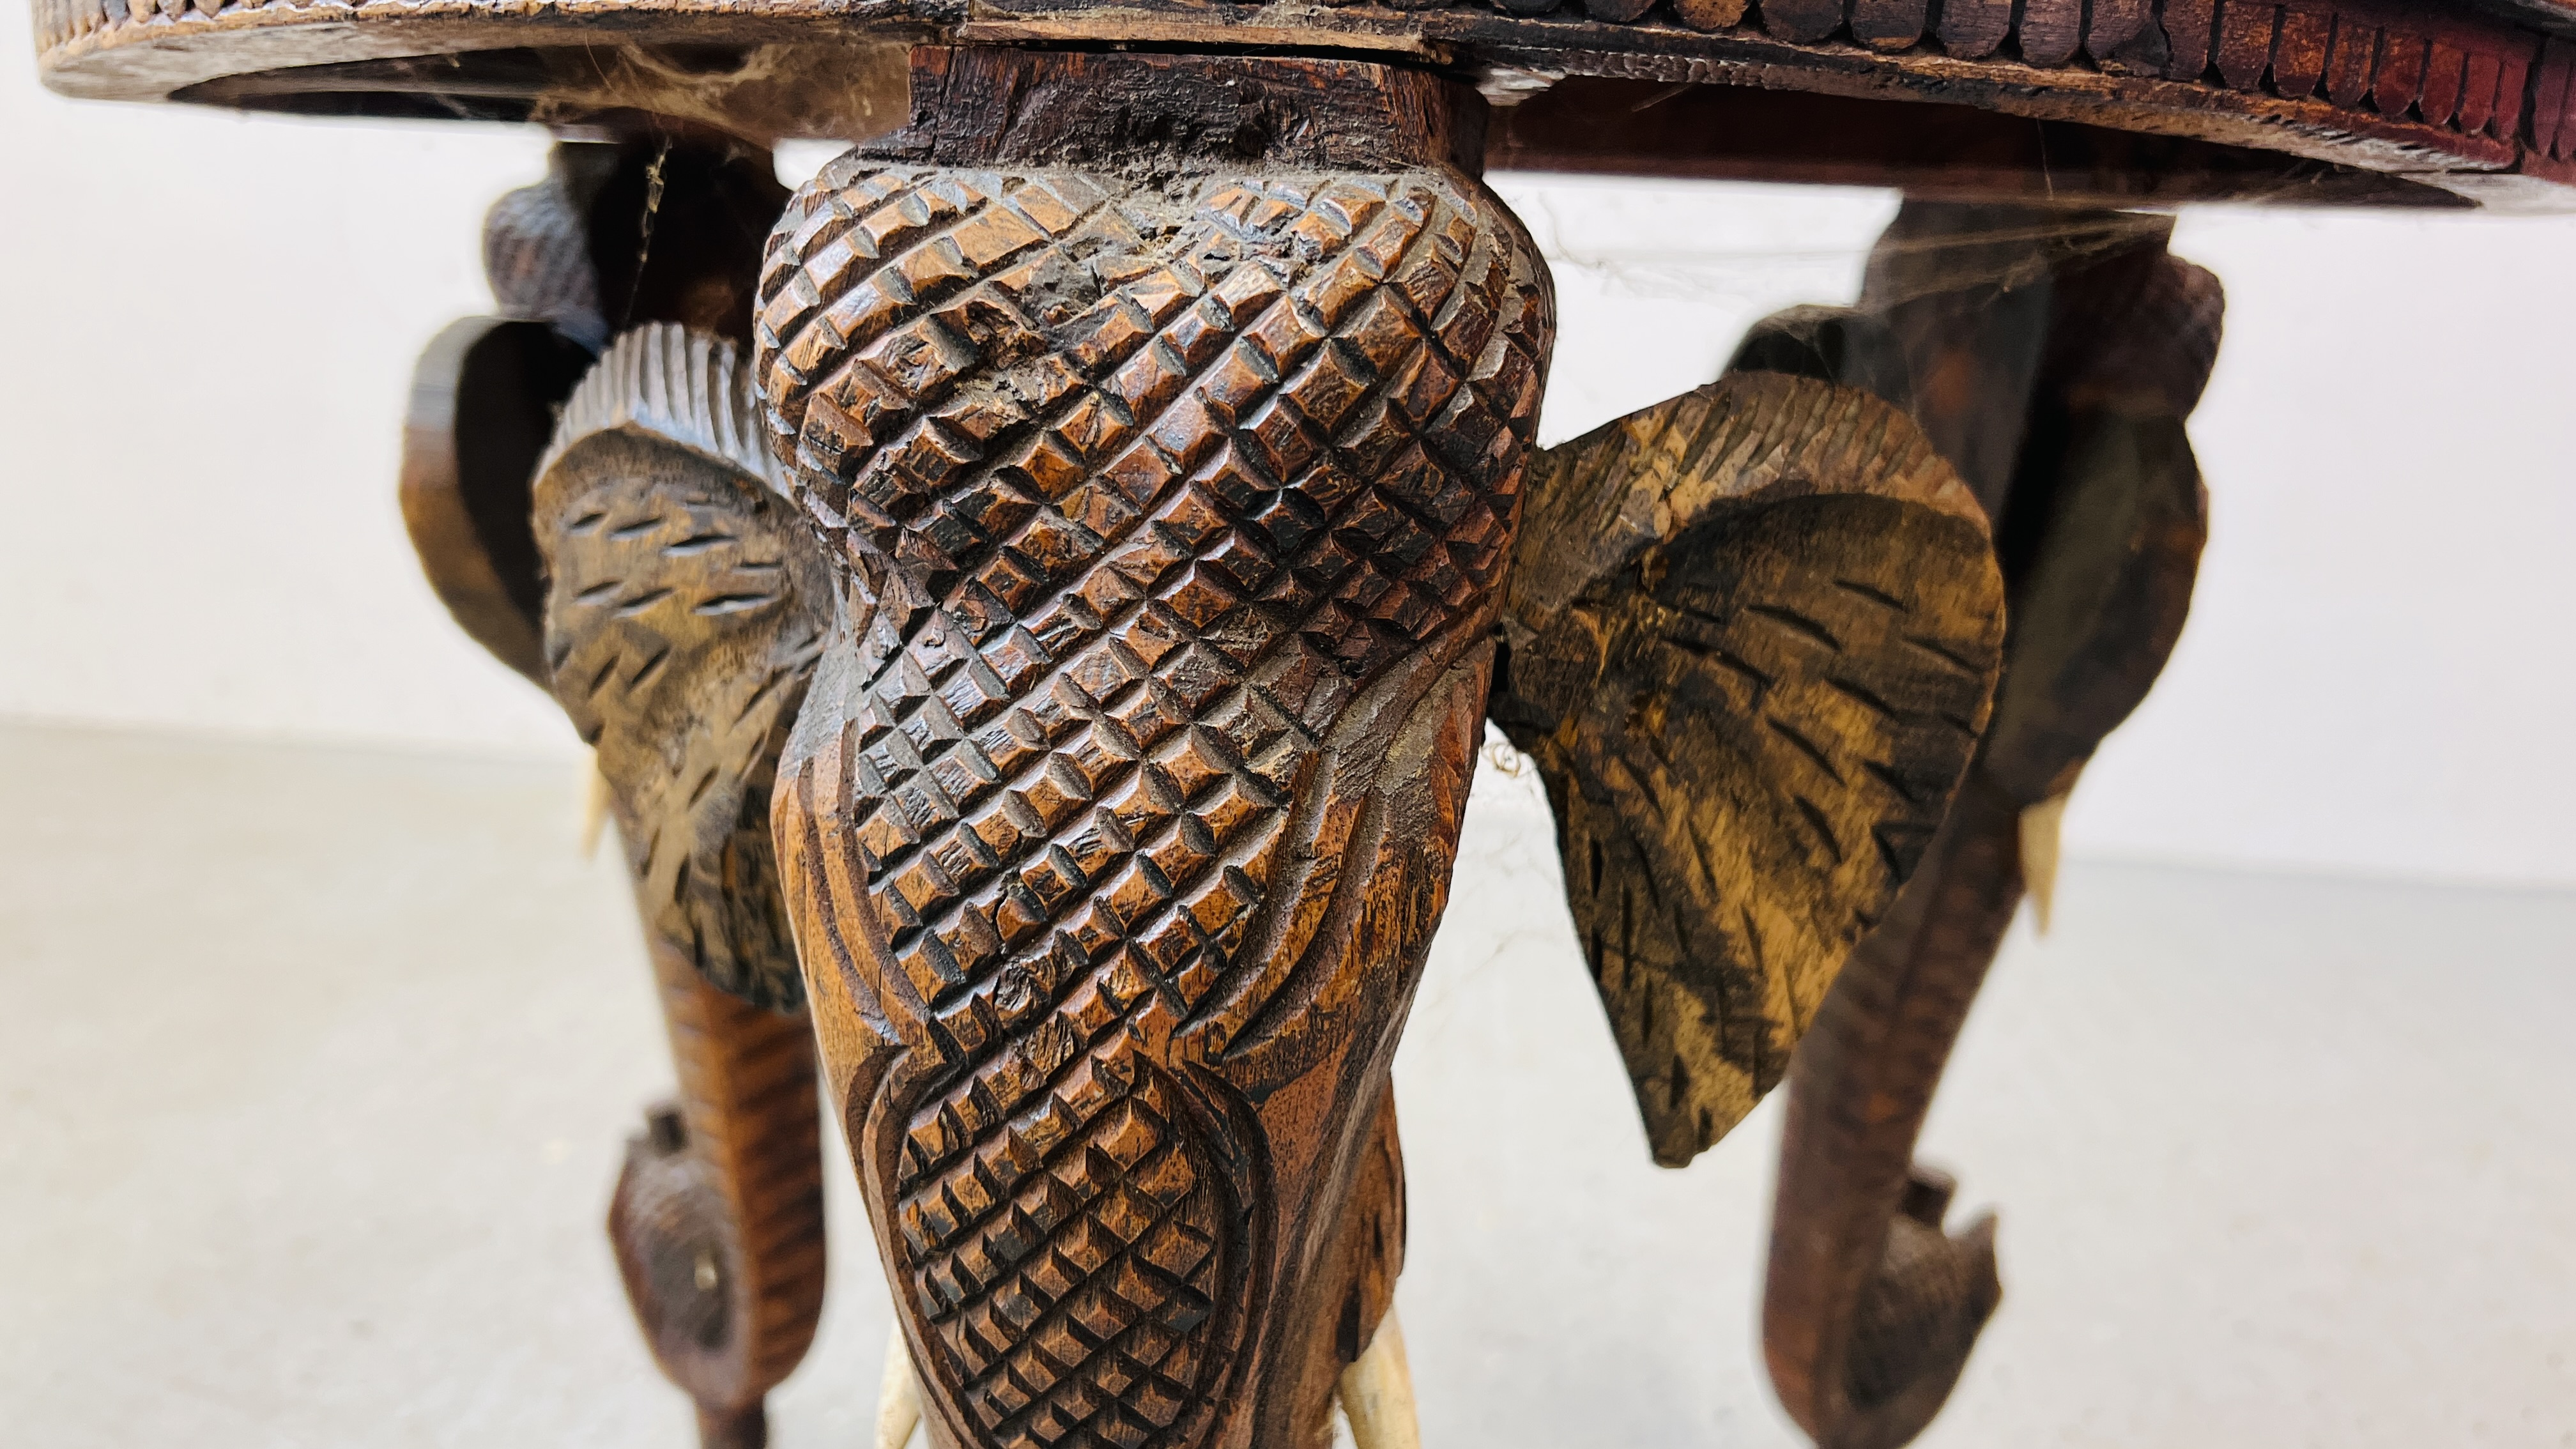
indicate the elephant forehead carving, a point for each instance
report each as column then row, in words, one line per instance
column 686, row 608
column 1177, row 513
column 1193, row 511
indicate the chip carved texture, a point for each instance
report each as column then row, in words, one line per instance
column 1175, row 513
column 2400, row 62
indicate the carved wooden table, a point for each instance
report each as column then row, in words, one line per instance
column 1036, row 593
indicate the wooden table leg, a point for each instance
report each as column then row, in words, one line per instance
column 718, row 1217
column 686, row 607
column 1165, row 420
column 630, row 557
column 2055, row 357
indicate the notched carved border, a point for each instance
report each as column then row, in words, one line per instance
column 2492, row 91
column 2467, row 86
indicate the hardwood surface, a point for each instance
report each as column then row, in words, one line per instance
column 1617, row 126
column 1170, row 529
column 1077, row 718
column 717, row 1219
column 589, row 249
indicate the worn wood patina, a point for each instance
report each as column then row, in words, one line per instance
column 1036, row 593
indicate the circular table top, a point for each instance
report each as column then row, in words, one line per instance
column 2435, row 102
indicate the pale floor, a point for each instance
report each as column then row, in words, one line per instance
column 314, row 1067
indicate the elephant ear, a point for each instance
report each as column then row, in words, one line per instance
column 483, row 401
column 1753, row 637
column 685, row 609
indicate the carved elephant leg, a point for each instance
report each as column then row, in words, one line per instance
column 1164, row 420
column 1869, row 1310
column 718, row 1217
column 629, row 557
column 686, row 607
column 2101, row 343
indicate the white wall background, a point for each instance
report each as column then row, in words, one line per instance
column 210, row 322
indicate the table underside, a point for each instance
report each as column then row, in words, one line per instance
column 2134, row 102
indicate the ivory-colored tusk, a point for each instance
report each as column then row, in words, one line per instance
column 1377, row 1393
column 899, row 1397
column 2039, row 826
column 594, row 803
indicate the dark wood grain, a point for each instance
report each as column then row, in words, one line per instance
column 2113, row 27
column 1889, row 24
column 1105, row 112
column 1075, row 692
column 648, row 230
column 2244, row 43
column 2191, row 37
column 2299, row 53
column 2051, row 31
column 1620, row 127
column 2553, row 100
column 1617, row 11
column 1869, row 1308
column 1802, row 20
column 1170, row 530
column 1972, row 29
column 1709, row 15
